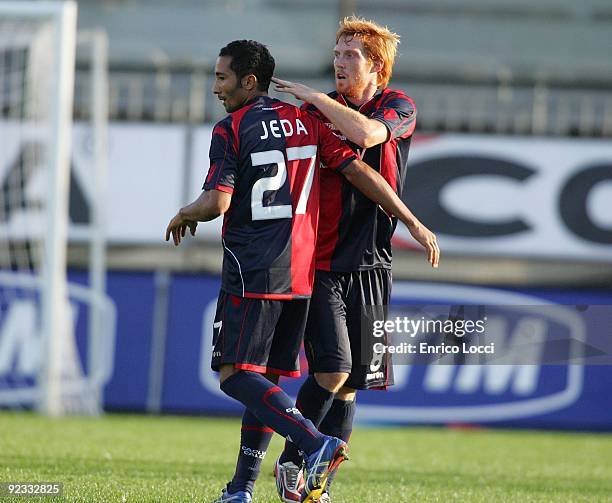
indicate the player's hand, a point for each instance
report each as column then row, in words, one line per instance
column 300, row 91
column 428, row 240
column 178, row 228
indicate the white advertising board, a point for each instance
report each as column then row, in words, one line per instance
column 514, row 196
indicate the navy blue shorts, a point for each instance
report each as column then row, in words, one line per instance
column 339, row 335
column 259, row 335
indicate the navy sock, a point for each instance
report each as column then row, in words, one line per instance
column 313, row 401
column 254, row 440
column 273, row 407
column 338, row 423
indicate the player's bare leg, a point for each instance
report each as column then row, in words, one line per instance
column 331, row 381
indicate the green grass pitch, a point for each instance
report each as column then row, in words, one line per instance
column 146, row 458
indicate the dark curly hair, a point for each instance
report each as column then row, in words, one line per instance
column 249, row 56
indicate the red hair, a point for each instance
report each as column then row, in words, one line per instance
column 379, row 43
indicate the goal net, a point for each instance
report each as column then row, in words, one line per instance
column 56, row 335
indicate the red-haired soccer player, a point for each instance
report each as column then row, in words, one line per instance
column 353, row 263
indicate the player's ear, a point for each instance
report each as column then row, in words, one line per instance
column 249, row 82
column 377, row 65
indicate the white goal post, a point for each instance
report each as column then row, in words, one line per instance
column 38, row 42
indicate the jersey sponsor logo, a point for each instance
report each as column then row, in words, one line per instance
column 276, row 127
column 335, row 130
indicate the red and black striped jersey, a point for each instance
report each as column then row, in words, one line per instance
column 267, row 156
column 355, row 233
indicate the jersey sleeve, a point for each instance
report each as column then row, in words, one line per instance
column 335, row 154
column 398, row 113
column 223, row 160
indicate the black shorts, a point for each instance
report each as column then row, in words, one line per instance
column 339, row 335
column 259, row 335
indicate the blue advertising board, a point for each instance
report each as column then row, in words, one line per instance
column 162, row 363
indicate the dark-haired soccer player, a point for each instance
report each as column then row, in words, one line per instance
column 353, row 264
column 264, row 178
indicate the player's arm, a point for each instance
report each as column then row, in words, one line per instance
column 358, row 128
column 218, row 187
column 208, row 206
column 372, row 185
column 337, row 156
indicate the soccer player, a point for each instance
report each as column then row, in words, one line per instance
column 353, row 258
column 264, row 179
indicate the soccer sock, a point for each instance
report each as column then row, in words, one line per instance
column 313, row 401
column 273, row 407
column 254, row 440
column 338, row 423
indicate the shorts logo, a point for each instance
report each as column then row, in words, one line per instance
column 217, row 325
column 375, row 375
column 292, row 410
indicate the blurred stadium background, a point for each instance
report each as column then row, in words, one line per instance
column 511, row 165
